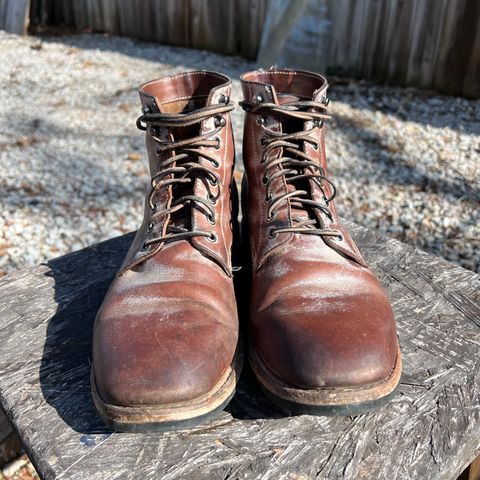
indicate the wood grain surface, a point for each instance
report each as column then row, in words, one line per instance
column 431, row 430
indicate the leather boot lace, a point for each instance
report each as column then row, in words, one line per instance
column 182, row 167
column 294, row 165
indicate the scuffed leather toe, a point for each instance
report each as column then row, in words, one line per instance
column 159, row 338
column 331, row 330
column 340, row 353
column 163, row 366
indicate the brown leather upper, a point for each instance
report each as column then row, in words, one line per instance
column 318, row 315
column 167, row 330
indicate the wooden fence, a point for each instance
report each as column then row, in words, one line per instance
column 231, row 27
column 426, row 43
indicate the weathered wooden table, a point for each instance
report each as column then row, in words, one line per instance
column 430, row 431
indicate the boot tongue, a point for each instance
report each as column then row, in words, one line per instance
column 292, row 125
column 284, row 98
column 182, row 218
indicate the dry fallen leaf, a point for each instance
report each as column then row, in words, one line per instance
column 135, row 156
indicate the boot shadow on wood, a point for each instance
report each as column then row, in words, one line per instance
column 65, row 367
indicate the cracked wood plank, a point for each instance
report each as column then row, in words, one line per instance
column 431, row 430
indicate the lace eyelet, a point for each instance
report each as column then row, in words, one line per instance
column 212, row 237
column 340, row 238
column 155, row 207
column 315, row 146
column 219, row 143
column 152, row 131
column 268, row 198
column 146, row 109
column 271, row 233
column 318, row 123
column 215, row 163
column 213, row 182
column 271, row 216
column 263, row 142
column 265, row 180
column 223, row 99
column 219, row 121
column 150, row 227
column 259, row 98
column 261, row 121
column 210, row 219
column 144, row 247
column 212, row 199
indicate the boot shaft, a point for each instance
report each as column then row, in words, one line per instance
column 179, row 94
column 289, row 191
column 190, row 147
column 290, row 196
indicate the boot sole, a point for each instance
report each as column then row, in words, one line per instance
column 173, row 416
column 327, row 400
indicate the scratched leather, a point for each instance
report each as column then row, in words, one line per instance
column 318, row 315
column 168, row 328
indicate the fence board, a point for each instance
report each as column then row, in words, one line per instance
column 14, row 15
column 250, row 18
column 213, row 25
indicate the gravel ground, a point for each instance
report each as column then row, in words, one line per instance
column 73, row 168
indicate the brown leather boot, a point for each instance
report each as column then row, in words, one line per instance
column 165, row 338
column 322, row 333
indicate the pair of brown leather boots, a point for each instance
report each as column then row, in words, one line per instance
column 321, row 336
